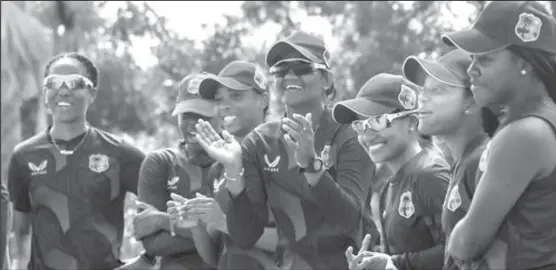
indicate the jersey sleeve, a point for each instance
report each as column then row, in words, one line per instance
column 18, row 187
column 431, row 188
column 131, row 159
column 341, row 198
column 248, row 212
column 153, row 175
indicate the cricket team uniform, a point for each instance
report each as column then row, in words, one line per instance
column 164, row 172
column 76, row 202
column 411, row 207
column 317, row 223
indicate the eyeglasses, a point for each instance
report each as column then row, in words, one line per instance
column 72, row 82
column 299, row 69
column 379, row 122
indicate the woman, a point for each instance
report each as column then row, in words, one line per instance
column 448, row 112
column 411, row 202
column 513, row 48
column 185, row 169
column 69, row 182
column 241, row 93
column 310, row 170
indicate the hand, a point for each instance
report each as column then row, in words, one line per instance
column 225, row 149
column 177, row 209
column 367, row 259
column 300, row 136
column 136, row 263
column 148, row 221
column 207, row 210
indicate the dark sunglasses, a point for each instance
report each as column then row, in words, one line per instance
column 298, row 68
column 379, row 122
column 71, row 82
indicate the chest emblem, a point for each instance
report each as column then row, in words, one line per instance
column 271, row 166
column 38, row 170
column 454, row 199
column 98, row 163
column 172, row 183
column 406, row 208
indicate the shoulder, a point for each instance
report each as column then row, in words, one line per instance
column 33, row 143
column 161, row 156
column 268, row 130
column 432, row 174
column 128, row 152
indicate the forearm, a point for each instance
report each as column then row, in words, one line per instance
column 22, row 250
column 268, row 240
column 246, row 220
column 432, row 258
column 464, row 245
column 205, row 245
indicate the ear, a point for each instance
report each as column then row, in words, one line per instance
column 327, row 79
column 264, row 97
column 93, row 93
column 471, row 106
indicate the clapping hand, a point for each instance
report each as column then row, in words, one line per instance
column 367, row 259
column 207, row 210
column 178, row 213
column 300, row 137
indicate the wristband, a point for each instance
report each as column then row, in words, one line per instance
column 234, row 179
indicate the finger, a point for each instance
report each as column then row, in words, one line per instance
column 303, row 121
column 203, row 141
column 202, row 131
column 293, row 133
column 365, row 243
column 290, row 141
column 143, row 206
column 349, row 254
column 178, row 198
column 198, row 210
column 227, row 136
column 293, row 123
column 199, row 195
column 213, row 136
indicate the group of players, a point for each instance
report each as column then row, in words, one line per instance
column 359, row 185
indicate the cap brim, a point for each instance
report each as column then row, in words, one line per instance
column 199, row 106
column 416, row 69
column 473, row 41
column 345, row 112
column 208, row 87
column 282, row 48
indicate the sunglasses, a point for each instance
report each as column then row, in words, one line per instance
column 379, row 122
column 299, row 69
column 71, row 82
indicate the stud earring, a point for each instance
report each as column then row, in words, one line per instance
column 523, row 72
column 467, row 112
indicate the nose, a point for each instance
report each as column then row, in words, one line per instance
column 63, row 91
column 422, row 99
column 290, row 75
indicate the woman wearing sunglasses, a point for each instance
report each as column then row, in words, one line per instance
column 411, row 202
column 448, row 112
column 308, row 169
column 241, row 94
column 69, row 182
column 512, row 216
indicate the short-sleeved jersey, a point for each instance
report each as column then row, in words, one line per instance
column 318, row 223
column 411, row 206
column 168, row 171
column 76, row 202
column 529, row 229
column 462, row 183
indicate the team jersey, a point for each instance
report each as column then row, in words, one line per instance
column 76, row 202
column 318, row 223
column 233, row 257
column 529, row 229
column 164, row 172
column 411, row 207
column 463, row 180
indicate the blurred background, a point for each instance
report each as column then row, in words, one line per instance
column 144, row 48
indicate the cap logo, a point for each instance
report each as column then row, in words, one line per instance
column 193, row 87
column 407, row 97
column 528, row 27
column 260, row 79
column 326, row 57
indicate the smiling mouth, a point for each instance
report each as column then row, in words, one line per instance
column 294, row 87
column 63, row 105
column 229, row 119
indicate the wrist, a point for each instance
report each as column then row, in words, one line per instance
column 306, row 161
column 233, row 170
column 164, row 222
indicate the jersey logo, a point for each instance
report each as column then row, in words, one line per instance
column 98, row 163
column 172, row 183
column 454, row 199
column 326, row 158
column 38, row 170
column 483, row 160
column 406, row 208
column 528, row 27
column 217, row 183
column 271, row 165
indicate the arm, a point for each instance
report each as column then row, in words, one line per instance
column 248, row 211
column 3, row 220
column 431, row 189
column 516, row 156
column 18, row 187
column 341, row 200
column 152, row 190
column 131, row 158
column 206, row 243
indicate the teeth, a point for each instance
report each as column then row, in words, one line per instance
column 293, row 87
column 229, row 118
column 374, row 147
column 62, row 103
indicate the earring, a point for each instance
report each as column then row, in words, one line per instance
column 523, row 72
column 467, row 112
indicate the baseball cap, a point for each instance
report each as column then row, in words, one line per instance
column 189, row 99
column 310, row 46
column 450, row 69
column 505, row 23
column 237, row 75
column 381, row 94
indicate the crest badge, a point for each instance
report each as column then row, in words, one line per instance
column 406, row 208
column 260, row 79
column 326, row 158
column 454, row 199
column 528, row 27
column 407, row 97
column 193, row 87
column 98, row 163
column 172, row 183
